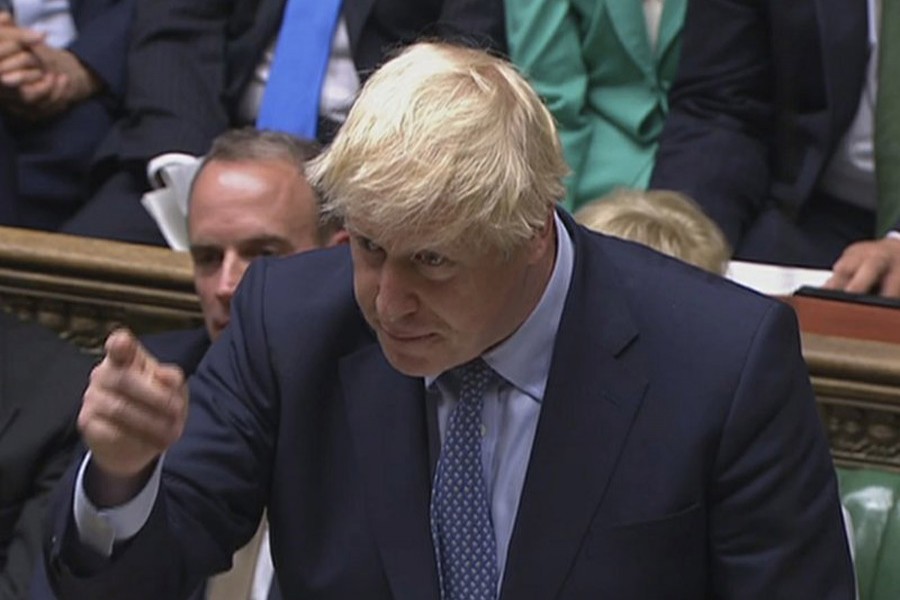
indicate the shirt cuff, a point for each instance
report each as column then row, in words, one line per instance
column 893, row 234
column 99, row 529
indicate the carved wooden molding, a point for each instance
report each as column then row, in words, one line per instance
column 84, row 288
column 857, row 386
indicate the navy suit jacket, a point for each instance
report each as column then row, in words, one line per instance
column 44, row 165
column 678, row 455
column 765, row 91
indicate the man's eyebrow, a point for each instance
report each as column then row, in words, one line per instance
column 195, row 247
column 251, row 241
column 262, row 239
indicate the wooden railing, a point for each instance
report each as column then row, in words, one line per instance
column 853, row 353
column 83, row 288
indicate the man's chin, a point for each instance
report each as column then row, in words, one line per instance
column 411, row 362
column 215, row 329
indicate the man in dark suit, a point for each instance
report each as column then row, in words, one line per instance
column 57, row 103
column 771, row 131
column 198, row 67
column 619, row 424
column 40, row 379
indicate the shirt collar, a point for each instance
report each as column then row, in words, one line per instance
column 523, row 359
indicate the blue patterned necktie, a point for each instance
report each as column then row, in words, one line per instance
column 461, row 525
column 291, row 99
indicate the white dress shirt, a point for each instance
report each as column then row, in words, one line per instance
column 51, row 17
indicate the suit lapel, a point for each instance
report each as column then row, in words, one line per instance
column 597, row 382
column 843, row 29
column 8, row 414
column 628, row 21
column 355, row 15
column 670, row 25
column 386, row 412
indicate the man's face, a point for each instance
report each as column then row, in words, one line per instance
column 239, row 211
column 436, row 308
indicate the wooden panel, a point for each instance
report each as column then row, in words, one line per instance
column 84, row 288
column 857, row 386
column 847, row 319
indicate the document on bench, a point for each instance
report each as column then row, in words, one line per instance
column 775, row 280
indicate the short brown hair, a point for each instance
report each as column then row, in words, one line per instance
column 247, row 144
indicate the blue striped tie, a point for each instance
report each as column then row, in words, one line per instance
column 291, row 99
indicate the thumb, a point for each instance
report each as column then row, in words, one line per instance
column 124, row 350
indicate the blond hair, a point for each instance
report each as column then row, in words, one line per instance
column 665, row 220
column 446, row 142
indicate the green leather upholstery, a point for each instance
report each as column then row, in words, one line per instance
column 871, row 497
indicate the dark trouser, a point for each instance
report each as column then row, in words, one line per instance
column 815, row 238
column 44, row 164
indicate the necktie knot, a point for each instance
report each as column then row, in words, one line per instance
column 474, row 378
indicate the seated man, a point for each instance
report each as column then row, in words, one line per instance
column 40, row 379
column 773, row 130
column 482, row 399
column 62, row 79
column 249, row 198
column 198, row 67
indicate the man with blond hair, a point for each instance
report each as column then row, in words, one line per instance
column 483, row 399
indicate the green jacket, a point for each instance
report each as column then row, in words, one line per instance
column 592, row 63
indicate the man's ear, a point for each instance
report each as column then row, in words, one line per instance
column 544, row 239
column 338, row 237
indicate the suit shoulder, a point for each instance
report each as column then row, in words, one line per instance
column 306, row 294
column 669, row 295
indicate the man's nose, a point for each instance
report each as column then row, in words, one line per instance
column 395, row 297
column 230, row 274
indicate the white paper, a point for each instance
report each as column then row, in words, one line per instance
column 171, row 175
column 775, row 280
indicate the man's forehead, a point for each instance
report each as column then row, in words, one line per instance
column 397, row 238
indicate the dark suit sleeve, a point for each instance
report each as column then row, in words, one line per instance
column 775, row 522
column 214, row 483
column 176, row 79
column 104, row 27
column 715, row 142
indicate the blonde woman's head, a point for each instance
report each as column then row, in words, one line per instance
column 666, row 221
